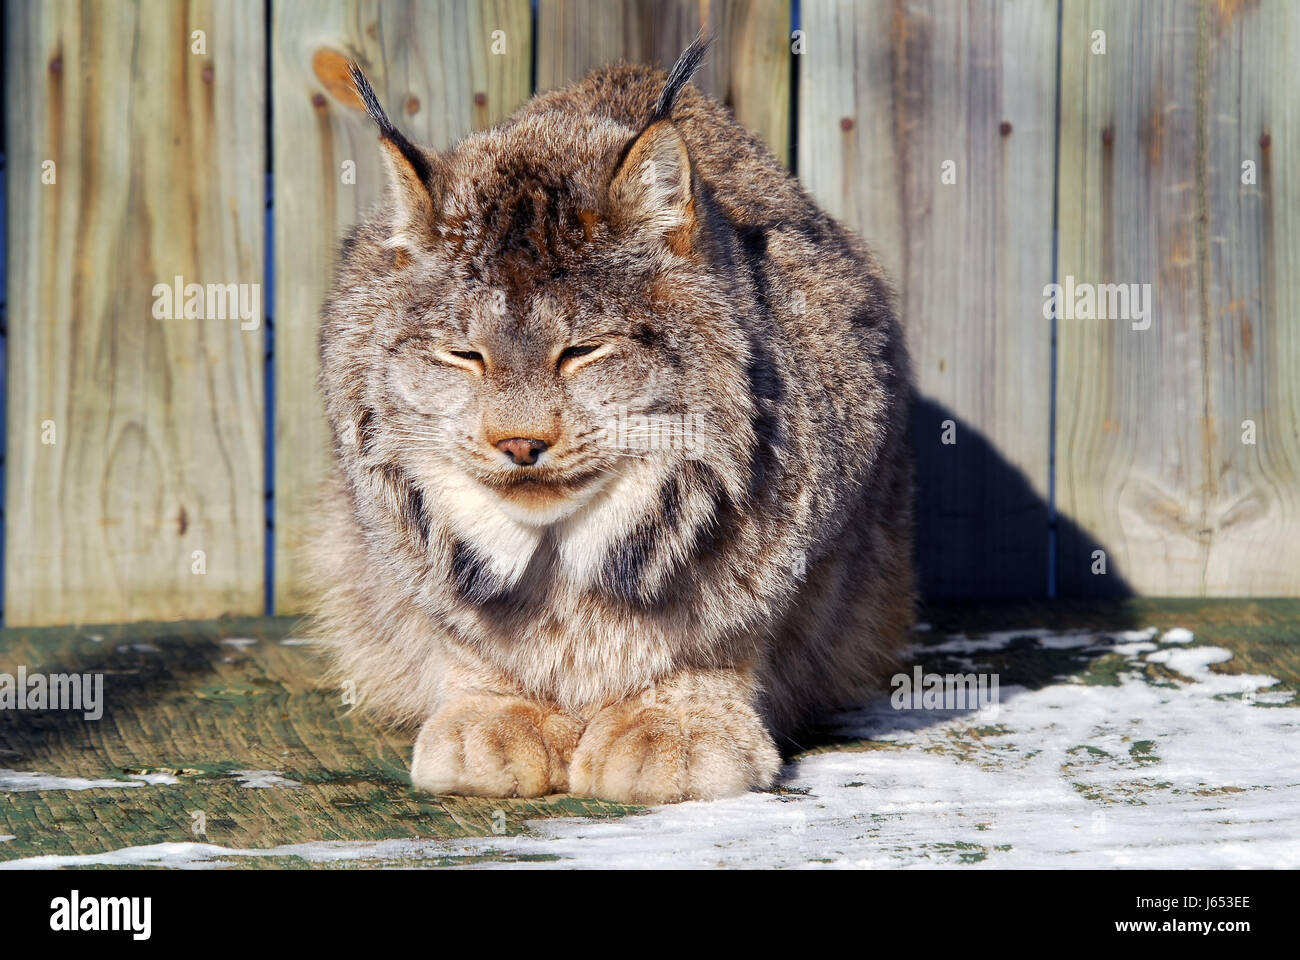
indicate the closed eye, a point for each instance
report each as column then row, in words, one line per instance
column 569, row 354
column 471, row 360
column 582, row 351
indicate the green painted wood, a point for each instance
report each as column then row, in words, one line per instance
column 200, row 701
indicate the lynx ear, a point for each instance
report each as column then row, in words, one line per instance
column 651, row 192
column 412, row 174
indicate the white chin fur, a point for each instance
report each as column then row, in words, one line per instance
column 588, row 523
column 544, row 515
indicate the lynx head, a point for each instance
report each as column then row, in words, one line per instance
column 545, row 307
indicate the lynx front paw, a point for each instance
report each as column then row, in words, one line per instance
column 490, row 746
column 636, row 752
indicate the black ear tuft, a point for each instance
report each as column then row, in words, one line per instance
column 414, row 156
column 681, row 74
column 367, row 94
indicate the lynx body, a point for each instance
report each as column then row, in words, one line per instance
column 622, row 487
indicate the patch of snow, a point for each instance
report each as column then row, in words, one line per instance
column 24, row 781
column 1194, row 663
column 199, row 856
column 960, row 643
column 240, row 642
column 1136, row 636
column 1177, row 635
column 1276, row 697
column 1131, row 650
column 262, row 779
column 294, row 642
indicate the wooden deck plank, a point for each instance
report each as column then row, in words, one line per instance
column 183, row 700
column 199, row 702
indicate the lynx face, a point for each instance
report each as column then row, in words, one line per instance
column 523, row 397
column 550, row 324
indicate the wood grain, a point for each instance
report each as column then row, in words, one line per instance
column 157, row 444
column 1150, row 444
column 436, row 75
column 1253, row 284
column 888, row 95
column 748, row 68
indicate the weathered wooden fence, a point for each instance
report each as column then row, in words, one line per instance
column 986, row 149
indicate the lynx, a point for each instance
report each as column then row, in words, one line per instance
column 622, row 490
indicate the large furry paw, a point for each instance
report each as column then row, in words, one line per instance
column 656, row 752
column 493, row 746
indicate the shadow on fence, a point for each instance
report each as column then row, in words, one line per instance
column 982, row 529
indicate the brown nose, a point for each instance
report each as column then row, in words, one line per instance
column 522, row 451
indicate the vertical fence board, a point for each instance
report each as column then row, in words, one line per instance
column 156, row 423
column 748, row 69
column 1129, row 401
column 1150, row 452
column 434, row 69
column 889, row 94
column 1253, row 114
